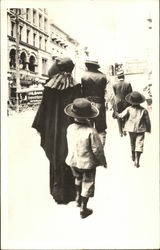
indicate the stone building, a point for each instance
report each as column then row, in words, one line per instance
column 32, row 26
column 33, row 43
column 61, row 44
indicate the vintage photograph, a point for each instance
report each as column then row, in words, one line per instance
column 80, row 124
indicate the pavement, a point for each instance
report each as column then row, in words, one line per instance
column 125, row 204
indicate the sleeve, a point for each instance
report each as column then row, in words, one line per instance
column 124, row 114
column 97, row 148
column 114, row 90
column 147, row 121
column 109, row 95
column 130, row 88
column 104, row 83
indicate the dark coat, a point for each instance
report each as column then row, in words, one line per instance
column 51, row 122
column 121, row 90
column 93, row 87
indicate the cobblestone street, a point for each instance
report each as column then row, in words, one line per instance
column 125, row 202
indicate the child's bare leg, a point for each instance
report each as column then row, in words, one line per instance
column 139, row 148
column 78, row 187
column 78, row 195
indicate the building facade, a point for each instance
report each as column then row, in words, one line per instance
column 31, row 28
column 61, row 44
column 33, row 44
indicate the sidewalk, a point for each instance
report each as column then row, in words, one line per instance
column 124, row 205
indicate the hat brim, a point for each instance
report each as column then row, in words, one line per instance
column 128, row 98
column 69, row 111
column 92, row 63
column 120, row 75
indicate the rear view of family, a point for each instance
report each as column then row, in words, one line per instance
column 71, row 121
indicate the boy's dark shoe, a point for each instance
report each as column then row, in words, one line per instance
column 85, row 213
column 136, row 165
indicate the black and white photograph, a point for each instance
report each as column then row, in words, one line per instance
column 80, row 124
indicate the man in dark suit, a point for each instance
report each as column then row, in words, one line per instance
column 94, row 84
column 121, row 89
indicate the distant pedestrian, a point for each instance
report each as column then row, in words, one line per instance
column 147, row 91
column 51, row 122
column 137, row 123
column 85, row 151
column 121, row 89
column 94, row 84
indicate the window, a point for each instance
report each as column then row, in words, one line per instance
column 12, row 56
column 44, row 66
column 46, row 11
column 45, row 44
column 28, row 32
column 40, row 21
column 40, row 42
column 31, row 65
column 34, row 16
column 45, row 24
column 19, row 11
column 12, row 28
column 23, row 60
column 27, row 14
column 34, row 39
column 20, row 33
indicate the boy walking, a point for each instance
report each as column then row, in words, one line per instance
column 85, row 151
column 137, row 123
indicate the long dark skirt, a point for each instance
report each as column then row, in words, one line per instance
column 51, row 122
column 62, row 186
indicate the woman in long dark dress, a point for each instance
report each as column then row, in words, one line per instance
column 51, row 122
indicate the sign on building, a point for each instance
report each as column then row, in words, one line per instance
column 136, row 66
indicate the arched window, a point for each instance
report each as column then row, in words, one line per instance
column 12, row 57
column 32, row 64
column 23, row 60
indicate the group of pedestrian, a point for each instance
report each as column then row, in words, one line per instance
column 71, row 120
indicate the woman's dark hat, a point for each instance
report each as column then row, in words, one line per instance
column 61, row 61
column 81, row 108
column 65, row 64
column 135, row 98
column 92, row 62
column 61, row 64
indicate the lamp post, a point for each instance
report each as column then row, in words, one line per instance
column 18, row 86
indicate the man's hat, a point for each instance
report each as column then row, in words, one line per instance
column 120, row 73
column 92, row 62
column 135, row 98
column 81, row 108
